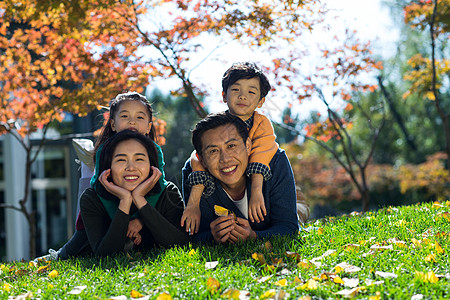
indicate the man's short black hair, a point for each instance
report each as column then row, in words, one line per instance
column 213, row 121
column 245, row 70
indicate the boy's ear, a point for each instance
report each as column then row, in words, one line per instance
column 261, row 102
column 224, row 97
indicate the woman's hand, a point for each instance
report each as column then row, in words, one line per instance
column 146, row 186
column 134, row 226
column 123, row 194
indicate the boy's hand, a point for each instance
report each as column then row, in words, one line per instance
column 256, row 207
column 138, row 239
column 192, row 212
column 191, row 215
column 134, row 226
column 196, row 165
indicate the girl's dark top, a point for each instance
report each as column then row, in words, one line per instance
column 161, row 223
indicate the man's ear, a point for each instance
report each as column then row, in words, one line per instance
column 261, row 102
column 248, row 145
column 224, row 97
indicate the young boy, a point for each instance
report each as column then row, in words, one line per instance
column 244, row 88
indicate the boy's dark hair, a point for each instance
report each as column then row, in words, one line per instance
column 245, row 70
column 114, row 106
column 213, row 121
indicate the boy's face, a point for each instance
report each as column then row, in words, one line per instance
column 243, row 97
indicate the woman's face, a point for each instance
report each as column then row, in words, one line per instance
column 130, row 164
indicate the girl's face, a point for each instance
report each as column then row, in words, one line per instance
column 132, row 115
column 130, row 164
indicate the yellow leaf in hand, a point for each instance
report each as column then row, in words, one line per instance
column 212, row 285
column 135, row 294
column 223, row 212
column 53, row 274
column 164, row 296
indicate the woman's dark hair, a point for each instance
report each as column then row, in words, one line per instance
column 213, row 121
column 106, row 155
column 245, row 70
column 114, row 106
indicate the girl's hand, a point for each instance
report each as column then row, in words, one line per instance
column 146, row 186
column 134, row 226
column 137, row 239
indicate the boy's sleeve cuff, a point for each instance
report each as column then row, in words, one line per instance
column 202, row 177
column 259, row 168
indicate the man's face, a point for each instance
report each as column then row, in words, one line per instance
column 225, row 156
column 243, row 97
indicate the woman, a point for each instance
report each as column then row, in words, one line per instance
column 128, row 176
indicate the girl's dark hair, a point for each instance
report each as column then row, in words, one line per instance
column 107, row 130
column 245, row 70
column 106, row 156
column 214, row 120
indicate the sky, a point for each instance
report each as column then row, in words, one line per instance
column 368, row 17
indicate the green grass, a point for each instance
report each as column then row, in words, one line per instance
column 421, row 248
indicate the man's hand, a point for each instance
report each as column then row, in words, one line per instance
column 191, row 216
column 241, row 232
column 221, row 228
column 134, row 226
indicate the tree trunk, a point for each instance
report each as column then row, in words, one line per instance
column 365, row 199
column 32, row 224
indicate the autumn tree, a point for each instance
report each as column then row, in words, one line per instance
column 57, row 58
column 429, row 74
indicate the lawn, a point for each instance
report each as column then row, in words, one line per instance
column 394, row 253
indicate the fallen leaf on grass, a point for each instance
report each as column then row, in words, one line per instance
column 428, row 277
column 268, row 246
column 135, row 294
column 211, row 264
column 377, row 296
column 444, row 216
column 259, row 257
column 349, row 293
column 264, row 279
column 293, row 255
column 352, row 247
column 282, row 282
column 311, row 284
column 337, row 279
column 164, row 296
column 53, row 274
column 192, row 252
column 386, row 274
column 235, row 294
column 212, row 285
column 381, row 248
column 370, row 282
column 43, row 269
column 431, row 257
column 21, row 272
column 347, row 268
column 269, row 294
column 7, row 287
column 307, row 265
column 351, row 282
column 397, row 242
column 304, row 298
column 77, row 290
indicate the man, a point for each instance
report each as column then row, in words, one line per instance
column 223, row 147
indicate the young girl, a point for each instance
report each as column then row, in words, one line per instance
column 125, row 187
column 127, row 111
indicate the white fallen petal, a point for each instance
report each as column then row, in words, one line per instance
column 417, row 297
column 386, row 274
column 350, row 282
column 211, row 264
column 121, row 297
column 77, row 290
